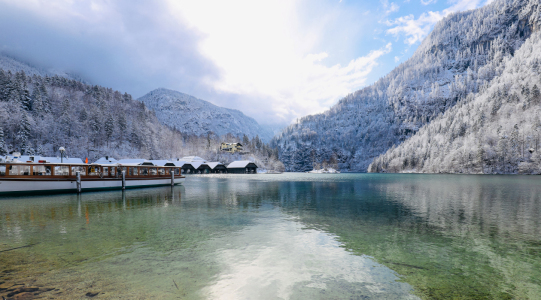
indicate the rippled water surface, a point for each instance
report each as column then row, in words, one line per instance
column 287, row 236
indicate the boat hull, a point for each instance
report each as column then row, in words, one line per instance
column 27, row 186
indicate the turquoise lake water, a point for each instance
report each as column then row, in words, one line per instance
column 284, row 236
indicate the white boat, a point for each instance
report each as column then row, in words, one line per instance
column 37, row 174
column 324, row 171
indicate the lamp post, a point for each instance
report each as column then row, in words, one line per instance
column 62, row 150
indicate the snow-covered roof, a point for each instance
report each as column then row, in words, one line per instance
column 134, row 161
column 192, row 159
column 66, row 160
column 179, row 163
column 106, row 160
column 37, row 158
column 196, row 164
column 161, row 162
column 213, row 164
column 239, row 164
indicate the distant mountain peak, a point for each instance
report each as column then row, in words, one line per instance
column 191, row 115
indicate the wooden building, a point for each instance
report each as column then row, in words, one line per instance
column 242, row 167
column 201, row 167
column 217, row 167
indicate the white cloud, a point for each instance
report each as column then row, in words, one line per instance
column 389, row 7
column 416, row 30
column 427, row 2
column 268, row 55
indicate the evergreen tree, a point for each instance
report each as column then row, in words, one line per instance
column 536, row 94
column 126, row 97
column 26, row 101
column 2, row 142
column 65, row 118
column 24, row 133
column 83, row 115
column 37, row 102
column 109, row 128
column 45, row 97
column 122, row 125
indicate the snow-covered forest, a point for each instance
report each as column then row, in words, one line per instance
column 460, row 57
column 497, row 130
column 39, row 114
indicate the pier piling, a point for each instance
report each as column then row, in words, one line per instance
column 172, row 177
column 123, row 180
column 78, row 176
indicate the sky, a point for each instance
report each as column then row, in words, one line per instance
column 274, row 60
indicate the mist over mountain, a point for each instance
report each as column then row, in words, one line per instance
column 8, row 63
column 193, row 116
column 461, row 56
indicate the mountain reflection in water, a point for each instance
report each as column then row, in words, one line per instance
column 289, row 236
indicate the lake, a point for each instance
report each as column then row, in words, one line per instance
column 286, row 236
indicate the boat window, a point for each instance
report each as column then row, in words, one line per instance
column 41, row 170
column 177, row 172
column 19, row 170
column 78, row 169
column 133, row 171
column 61, row 171
column 93, row 170
column 161, row 171
column 105, row 171
column 143, row 171
column 113, row 171
column 2, row 170
column 153, row 171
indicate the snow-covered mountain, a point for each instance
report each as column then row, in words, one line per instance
column 461, row 56
column 198, row 117
column 497, row 130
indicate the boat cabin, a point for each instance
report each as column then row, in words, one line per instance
column 42, row 169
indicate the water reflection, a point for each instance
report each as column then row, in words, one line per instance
column 291, row 236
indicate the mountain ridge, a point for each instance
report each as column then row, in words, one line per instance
column 192, row 115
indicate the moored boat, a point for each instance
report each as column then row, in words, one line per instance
column 34, row 174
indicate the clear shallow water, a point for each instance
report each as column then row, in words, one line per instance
column 288, row 236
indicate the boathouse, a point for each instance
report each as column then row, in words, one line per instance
column 188, row 168
column 217, row 167
column 242, row 167
column 200, row 167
